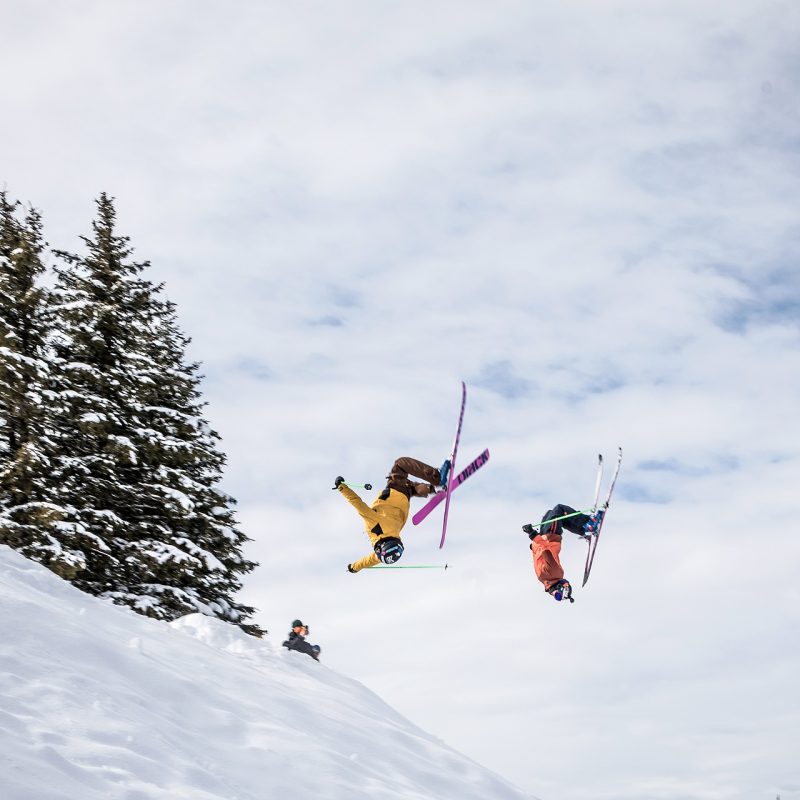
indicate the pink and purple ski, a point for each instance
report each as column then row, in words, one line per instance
column 453, row 462
column 460, row 478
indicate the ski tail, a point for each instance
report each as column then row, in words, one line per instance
column 613, row 479
column 449, row 490
column 598, row 481
column 594, row 538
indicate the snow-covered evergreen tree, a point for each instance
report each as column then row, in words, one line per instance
column 138, row 466
column 192, row 548
column 29, row 520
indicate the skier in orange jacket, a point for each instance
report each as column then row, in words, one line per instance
column 546, row 546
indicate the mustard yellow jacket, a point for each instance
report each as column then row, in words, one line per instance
column 384, row 518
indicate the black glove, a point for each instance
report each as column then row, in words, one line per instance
column 350, row 569
column 338, row 480
column 529, row 529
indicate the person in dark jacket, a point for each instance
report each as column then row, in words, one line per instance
column 546, row 545
column 297, row 640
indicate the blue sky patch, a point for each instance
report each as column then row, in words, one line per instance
column 720, row 463
column 772, row 296
column 499, row 377
column 329, row 320
column 255, row 369
column 636, row 493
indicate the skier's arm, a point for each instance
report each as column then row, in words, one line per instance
column 368, row 561
column 358, row 504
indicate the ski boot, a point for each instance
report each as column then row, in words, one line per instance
column 594, row 522
column 444, row 473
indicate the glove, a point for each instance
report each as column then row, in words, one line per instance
column 338, row 481
column 350, row 569
column 530, row 530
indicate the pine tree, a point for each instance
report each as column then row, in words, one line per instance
column 139, row 467
column 188, row 541
column 29, row 521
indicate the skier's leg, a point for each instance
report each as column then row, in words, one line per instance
column 573, row 524
column 556, row 511
column 405, row 466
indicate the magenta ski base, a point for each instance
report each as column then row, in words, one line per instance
column 453, row 462
column 436, row 500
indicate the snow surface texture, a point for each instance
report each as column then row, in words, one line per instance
column 98, row 702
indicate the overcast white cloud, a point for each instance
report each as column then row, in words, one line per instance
column 586, row 210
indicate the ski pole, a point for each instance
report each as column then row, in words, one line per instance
column 556, row 519
column 414, row 566
column 366, row 486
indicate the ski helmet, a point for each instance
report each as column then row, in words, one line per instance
column 560, row 591
column 389, row 550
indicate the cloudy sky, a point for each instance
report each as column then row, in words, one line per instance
column 588, row 211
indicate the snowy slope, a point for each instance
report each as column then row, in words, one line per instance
column 98, row 702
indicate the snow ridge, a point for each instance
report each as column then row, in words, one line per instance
column 97, row 702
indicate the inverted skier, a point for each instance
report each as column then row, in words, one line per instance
column 546, row 545
column 387, row 515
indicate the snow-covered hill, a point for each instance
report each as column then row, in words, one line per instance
column 97, row 702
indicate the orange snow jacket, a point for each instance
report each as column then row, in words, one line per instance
column 383, row 519
column 546, row 562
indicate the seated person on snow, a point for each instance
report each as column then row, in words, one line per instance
column 297, row 640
